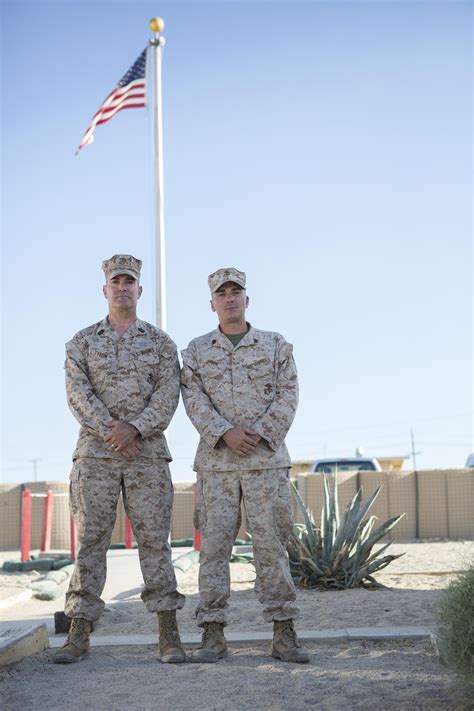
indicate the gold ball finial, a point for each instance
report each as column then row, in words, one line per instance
column 156, row 24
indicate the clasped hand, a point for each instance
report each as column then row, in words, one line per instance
column 123, row 438
column 241, row 440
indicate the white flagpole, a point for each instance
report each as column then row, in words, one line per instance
column 157, row 25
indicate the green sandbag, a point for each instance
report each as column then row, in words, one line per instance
column 15, row 566
column 120, row 546
column 39, row 564
column 12, row 566
column 68, row 569
column 56, row 576
column 51, row 594
column 61, row 563
column 182, row 543
column 42, row 585
column 185, row 561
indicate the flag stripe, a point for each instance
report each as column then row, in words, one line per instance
column 130, row 93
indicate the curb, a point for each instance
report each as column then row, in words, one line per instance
column 375, row 634
column 18, row 596
column 15, row 645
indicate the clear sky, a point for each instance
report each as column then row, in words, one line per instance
column 322, row 147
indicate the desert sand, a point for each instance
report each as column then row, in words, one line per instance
column 341, row 675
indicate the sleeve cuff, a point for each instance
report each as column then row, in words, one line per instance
column 140, row 427
column 265, row 437
column 212, row 439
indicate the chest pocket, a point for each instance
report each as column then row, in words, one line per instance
column 261, row 375
column 146, row 364
column 101, row 364
column 214, row 372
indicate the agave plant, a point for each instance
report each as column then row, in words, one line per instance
column 339, row 554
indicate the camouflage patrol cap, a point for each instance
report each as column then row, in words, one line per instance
column 216, row 279
column 122, row 264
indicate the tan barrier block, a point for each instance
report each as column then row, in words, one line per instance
column 300, row 481
column 402, row 499
column 182, row 515
column 347, row 485
column 432, row 504
column 118, row 532
column 314, row 495
column 10, row 516
column 294, row 508
column 311, row 489
column 244, row 529
column 446, row 504
column 60, row 535
column 369, row 481
column 460, row 486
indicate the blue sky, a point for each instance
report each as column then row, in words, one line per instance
column 322, row 147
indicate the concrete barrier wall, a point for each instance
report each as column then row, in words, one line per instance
column 437, row 504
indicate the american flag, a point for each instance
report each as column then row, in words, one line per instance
column 130, row 93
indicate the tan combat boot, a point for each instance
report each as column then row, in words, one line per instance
column 77, row 644
column 285, row 645
column 213, row 645
column 171, row 649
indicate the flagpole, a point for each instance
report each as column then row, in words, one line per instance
column 157, row 25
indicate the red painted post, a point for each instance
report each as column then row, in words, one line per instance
column 128, row 533
column 25, row 524
column 72, row 534
column 197, row 535
column 47, row 522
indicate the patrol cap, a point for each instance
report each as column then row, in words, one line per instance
column 216, row 279
column 122, row 264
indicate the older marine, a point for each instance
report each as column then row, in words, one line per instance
column 122, row 384
column 240, row 390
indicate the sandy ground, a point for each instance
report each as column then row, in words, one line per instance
column 392, row 675
column 388, row 676
column 409, row 601
column 413, row 585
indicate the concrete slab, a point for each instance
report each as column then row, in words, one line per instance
column 387, row 633
column 16, row 644
column 322, row 636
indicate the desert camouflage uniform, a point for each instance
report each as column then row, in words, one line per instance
column 253, row 385
column 133, row 378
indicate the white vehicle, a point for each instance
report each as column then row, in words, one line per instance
column 353, row 464
column 470, row 461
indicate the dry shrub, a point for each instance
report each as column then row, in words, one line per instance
column 455, row 634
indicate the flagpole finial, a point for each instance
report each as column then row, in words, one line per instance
column 156, row 24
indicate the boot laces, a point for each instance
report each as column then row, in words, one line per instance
column 288, row 632
column 170, row 632
column 80, row 627
column 210, row 631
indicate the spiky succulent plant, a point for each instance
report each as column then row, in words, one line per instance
column 338, row 555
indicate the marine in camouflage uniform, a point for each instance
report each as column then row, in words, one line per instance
column 122, row 384
column 240, row 390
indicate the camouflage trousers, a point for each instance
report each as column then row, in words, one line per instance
column 95, row 486
column 266, row 497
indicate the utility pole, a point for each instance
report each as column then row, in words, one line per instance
column 413, row 453
column 34, row 462
column 417, row 487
